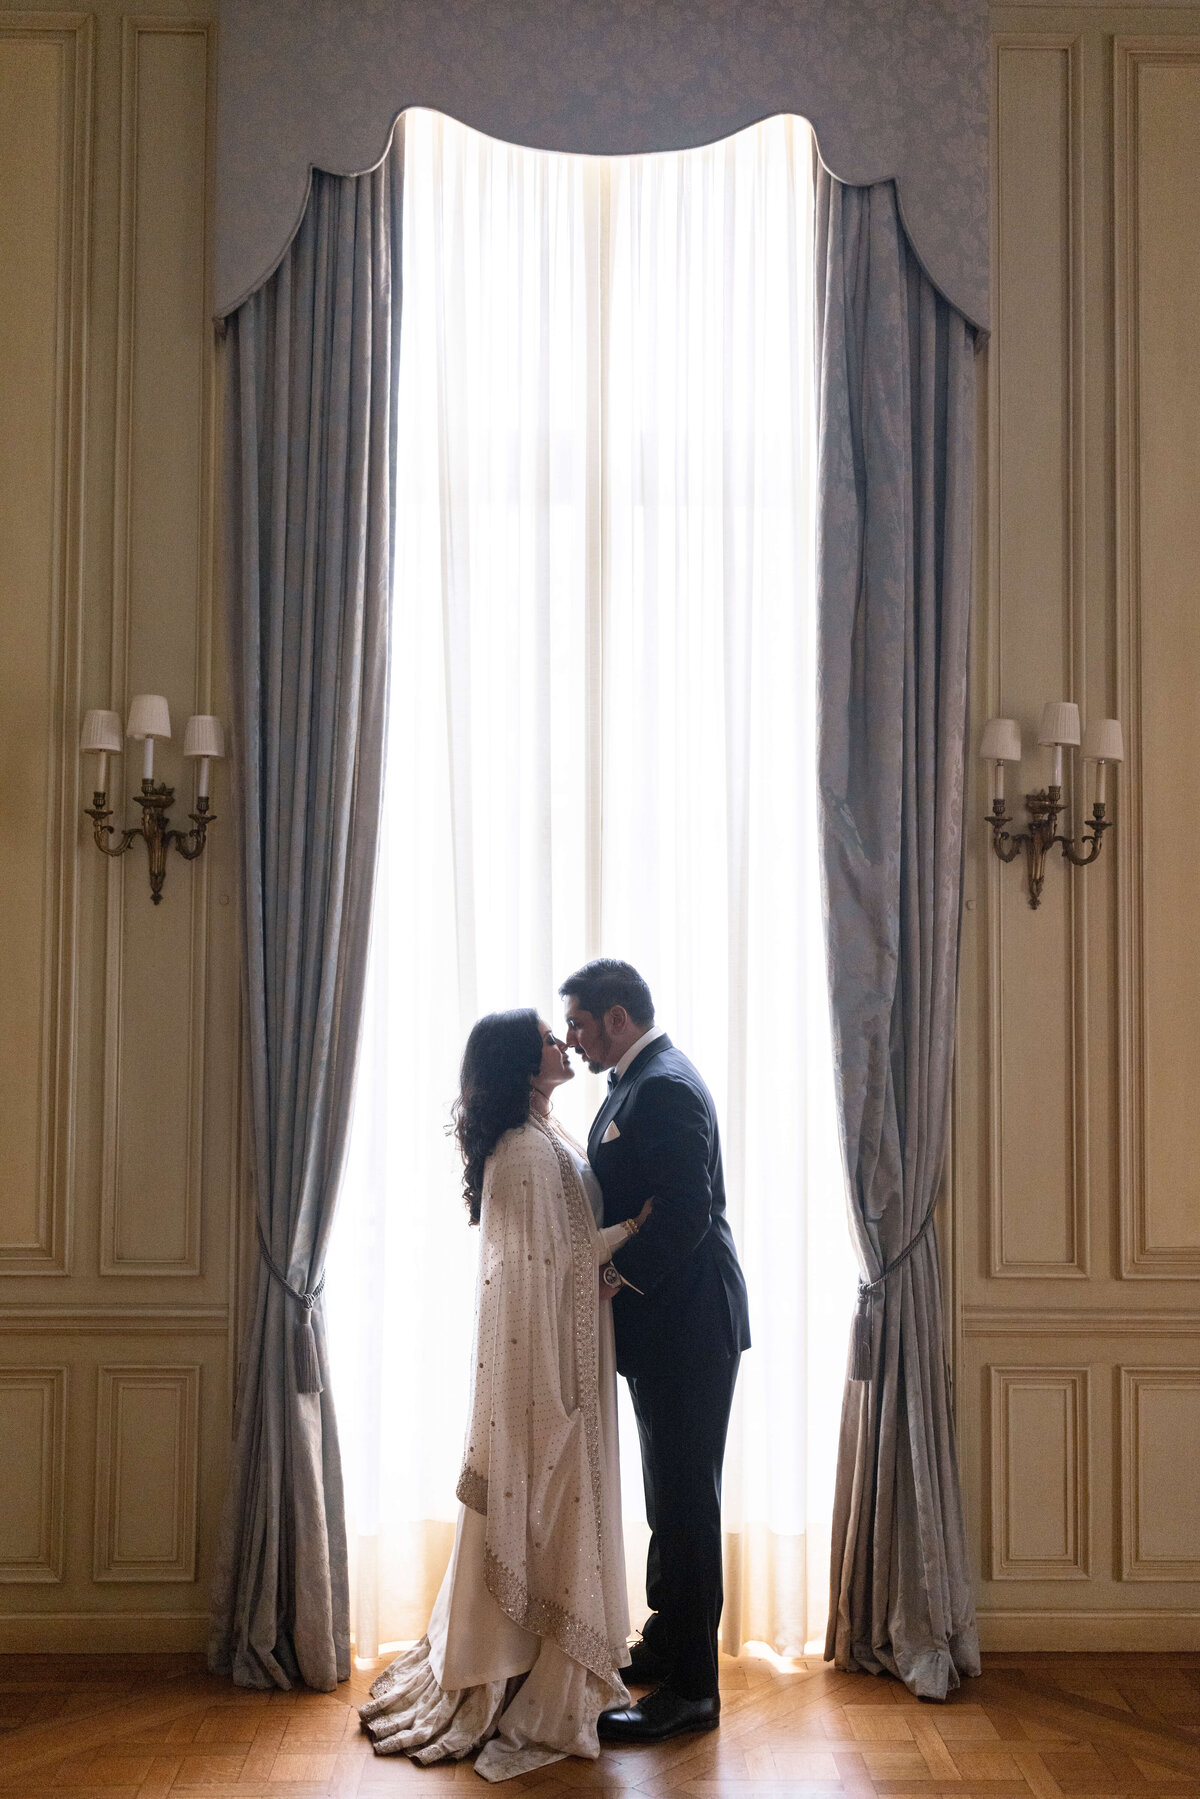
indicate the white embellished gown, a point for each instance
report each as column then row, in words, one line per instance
column 530, row 1625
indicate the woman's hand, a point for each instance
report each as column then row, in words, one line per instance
column 645, row 1213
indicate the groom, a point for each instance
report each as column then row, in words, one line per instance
column 681, row 1323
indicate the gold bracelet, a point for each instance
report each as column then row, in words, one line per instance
column 632, row 1227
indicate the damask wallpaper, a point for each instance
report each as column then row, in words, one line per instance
column 892, row 87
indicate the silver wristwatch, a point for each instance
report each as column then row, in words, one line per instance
column 611, row 1277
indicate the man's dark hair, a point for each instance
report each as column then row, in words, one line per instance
column 604, row 983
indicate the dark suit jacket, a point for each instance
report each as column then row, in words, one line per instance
column 692, row 1308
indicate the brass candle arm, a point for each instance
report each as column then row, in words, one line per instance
column 1043, row 808
column 154, row 829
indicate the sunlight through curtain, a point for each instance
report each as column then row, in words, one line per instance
column 601, row 740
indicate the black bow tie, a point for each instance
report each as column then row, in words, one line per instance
column 613, row 1078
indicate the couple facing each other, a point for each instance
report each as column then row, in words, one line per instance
column 620, row 1259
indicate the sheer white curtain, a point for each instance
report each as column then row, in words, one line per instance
column 601, row 740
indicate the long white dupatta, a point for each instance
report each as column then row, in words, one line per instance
column 532, row 1463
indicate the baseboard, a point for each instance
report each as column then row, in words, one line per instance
column 101, row 1633
column 131, row 1633
column 1116, row 1632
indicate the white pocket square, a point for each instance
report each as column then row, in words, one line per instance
column 611, row 1134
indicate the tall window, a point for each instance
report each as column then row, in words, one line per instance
column 601, row 741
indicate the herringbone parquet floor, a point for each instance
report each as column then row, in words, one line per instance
column 1032, row 1727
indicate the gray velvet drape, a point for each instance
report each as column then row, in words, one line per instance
column 895, row 473
column 310, row 468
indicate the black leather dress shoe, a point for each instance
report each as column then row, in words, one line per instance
column 644, row 1668
column 659, row 1715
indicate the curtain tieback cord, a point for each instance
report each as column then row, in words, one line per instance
column 860, row 1338
column 308, row 1371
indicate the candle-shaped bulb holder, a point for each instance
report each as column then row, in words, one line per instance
column 101, row 737
column 1000, row 744
column 1103, row 742
column 204, row 741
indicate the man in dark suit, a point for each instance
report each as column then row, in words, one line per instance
column 681, row 1323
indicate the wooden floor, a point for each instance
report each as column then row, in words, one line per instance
column 1032, row 1727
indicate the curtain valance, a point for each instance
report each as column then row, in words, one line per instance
column 893, row 88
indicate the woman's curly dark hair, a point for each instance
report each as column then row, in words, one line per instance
column 503, row 1053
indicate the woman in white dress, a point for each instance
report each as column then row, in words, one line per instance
column 529, row 1629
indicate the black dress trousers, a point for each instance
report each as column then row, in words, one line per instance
column 683, row 1420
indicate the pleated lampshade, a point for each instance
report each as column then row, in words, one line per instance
column 203, row 736
column 1060, row 722
column 1001, row 741
column 148, row 717
column 101, row 731
column 1103, row 741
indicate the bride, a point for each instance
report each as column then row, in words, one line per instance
column 529, row 1629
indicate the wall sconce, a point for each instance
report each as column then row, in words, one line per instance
column 149, row 720
column 1059, row 730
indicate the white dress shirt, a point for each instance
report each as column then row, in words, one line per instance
column 635, row 1049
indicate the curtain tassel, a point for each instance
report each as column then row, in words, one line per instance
column 862, row 1331
column 860, row 1335
column 304, row 1339
column 308, row 1372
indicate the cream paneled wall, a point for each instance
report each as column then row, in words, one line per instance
column 1075, row 1178
column 118, row 1059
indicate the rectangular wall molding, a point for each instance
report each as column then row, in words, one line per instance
column 1035, row 641
column 117, row 1078
column 33, row 1429
column 1160, row 1453
column 1040, row 1473
column 1078, row 1322
column 147, row 1435
column 118, row 1321
column 46, row 148
column 162, row 641
column 1157, row 254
